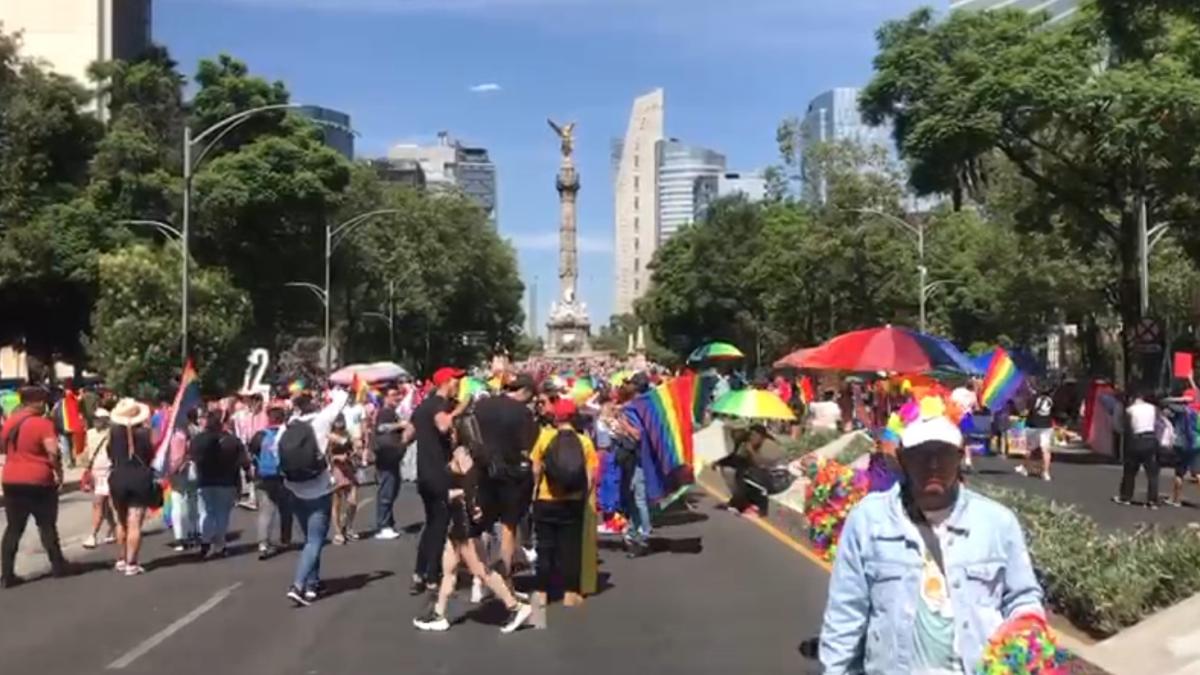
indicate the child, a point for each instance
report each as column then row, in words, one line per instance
column 462, row 547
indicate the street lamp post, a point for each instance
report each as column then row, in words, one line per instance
column 389, row 318
column 323, row 296
column 335, row 235
column 918, row 231
column 220, row 129
column 176, row 234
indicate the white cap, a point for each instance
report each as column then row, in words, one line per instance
column 933, row 429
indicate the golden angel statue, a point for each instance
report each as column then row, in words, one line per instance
column 566, row 133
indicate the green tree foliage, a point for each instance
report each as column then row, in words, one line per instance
column 1100, row 115
column 135, row 341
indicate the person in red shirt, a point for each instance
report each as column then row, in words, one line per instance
column 31, row 478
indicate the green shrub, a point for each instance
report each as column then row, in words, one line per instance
column 1103, row 582
column 857, row 447
column 810, row 441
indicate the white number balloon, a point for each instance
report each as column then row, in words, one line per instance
column 252, row 383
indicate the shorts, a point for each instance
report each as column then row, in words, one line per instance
column 133, row 486
column 505, row 500
column 1039, row 439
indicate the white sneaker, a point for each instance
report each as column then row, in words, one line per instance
column 517, row 618
column 432, row 621
column 1046, row 477
column 387, row 533
column 90, row 542
column 476, row 591
column 530, row 555
column 120, row 567
column 1021, row 470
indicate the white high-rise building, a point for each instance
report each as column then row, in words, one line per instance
column 636, row 208
column 1057, row 10
column 684, row 173
column 67, row 36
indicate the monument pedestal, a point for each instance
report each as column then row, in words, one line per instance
column 568, row 332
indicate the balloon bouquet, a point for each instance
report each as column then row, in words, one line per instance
column 1024, row 645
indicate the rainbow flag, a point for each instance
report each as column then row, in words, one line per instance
column 71, row 422
column 296, row 387
column 664, row 415
column 807, row 395
column 187, row 398
column 1001, row 381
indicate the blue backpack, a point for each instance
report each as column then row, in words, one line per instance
column 268, row 456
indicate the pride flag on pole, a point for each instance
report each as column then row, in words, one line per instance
column 664, row 415
column 187, row 398
column 1001, row 381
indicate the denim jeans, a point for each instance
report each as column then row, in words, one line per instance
column 185, row 510
column 385, row 499
column 639, row 511
column 313, row 515
column 64, row 450
column 216, row 505
column 274, row 511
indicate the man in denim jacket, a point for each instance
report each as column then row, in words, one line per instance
column 927, row 571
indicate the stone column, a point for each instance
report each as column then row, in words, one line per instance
column 568, row 256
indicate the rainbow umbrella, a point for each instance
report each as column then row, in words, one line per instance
column 9, row 401
column 753, row 404
column 582, row 390
column 716, row 351
column 470, row 387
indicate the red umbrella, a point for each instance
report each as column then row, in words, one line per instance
column 795, row 359
column 890, row 349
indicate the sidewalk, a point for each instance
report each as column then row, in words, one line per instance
column 1167, row 643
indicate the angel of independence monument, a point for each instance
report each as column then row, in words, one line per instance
column 568, row 329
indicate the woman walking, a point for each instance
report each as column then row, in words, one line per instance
column 462, row 547
column 345, row 493
column 131, row 482
column 99, row 465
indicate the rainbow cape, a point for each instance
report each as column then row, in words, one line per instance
column 664, row 414
column 1001, row 381
column 187, row 398
column 71, row 422
column 359, row 389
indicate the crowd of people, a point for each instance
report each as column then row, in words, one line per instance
column 508, row 478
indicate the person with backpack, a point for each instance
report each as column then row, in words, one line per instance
column 274, row 500
column 564, row 468
column 305, row 469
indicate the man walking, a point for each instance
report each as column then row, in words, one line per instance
column 220, row 458
column 273, row 499
column 305, row 468
column 32, row 476
column 1141, row 451
column 391, row 439
column 432, row 421
column 509, row 432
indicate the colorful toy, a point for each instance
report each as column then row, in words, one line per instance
column 1023, row 645
column 833, row 489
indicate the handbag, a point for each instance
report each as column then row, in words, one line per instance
column 156, row 491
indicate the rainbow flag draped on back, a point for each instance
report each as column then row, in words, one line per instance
column 187, row 398
column 1001, row 381
column 71, row 422
column 664, row 414
column 359, row 388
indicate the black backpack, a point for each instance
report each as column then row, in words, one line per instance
column 565, row 465
column 300, row 457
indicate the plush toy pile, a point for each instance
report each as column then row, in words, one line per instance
column 833, row 489
column 1024, row 645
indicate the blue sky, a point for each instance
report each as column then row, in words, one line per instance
column 405, row 69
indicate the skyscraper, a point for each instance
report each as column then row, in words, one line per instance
column 69, row 35
column 450, row 165
column 335, row 125
column 835, row 116
column 687, row 177
column 636, row 195
column 1057, row 10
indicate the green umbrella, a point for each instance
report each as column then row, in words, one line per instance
column 716, row 351
column 9, row 401
column 753, row 404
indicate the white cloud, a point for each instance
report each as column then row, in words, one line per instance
column 548, row 241
column 485, row 88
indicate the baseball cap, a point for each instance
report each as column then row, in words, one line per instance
column 564, row 410
column 931, row 430
column 445, row 374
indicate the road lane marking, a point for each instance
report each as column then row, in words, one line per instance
column 181, row 623
column 775, row 532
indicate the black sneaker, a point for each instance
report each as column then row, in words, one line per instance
column 298, row 598
column 179, row 546
column 517, row 617
column 417, row 587
column 432, row 621
column 1120, row 501
column 311, row 594
column 266, row 551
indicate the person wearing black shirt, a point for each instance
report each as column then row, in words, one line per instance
column 1039, row 434
column 509, row 431
column 392, row 437
column 219, row 458
column 432, row 421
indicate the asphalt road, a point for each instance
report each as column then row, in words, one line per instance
column 718, row 596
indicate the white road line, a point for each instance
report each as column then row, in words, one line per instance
column 162, row 635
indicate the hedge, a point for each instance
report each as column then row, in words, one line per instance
column 1103, row 582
